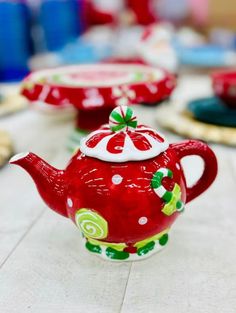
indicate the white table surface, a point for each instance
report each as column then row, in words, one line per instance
column 43, row 264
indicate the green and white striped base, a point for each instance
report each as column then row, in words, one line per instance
column 116, row 253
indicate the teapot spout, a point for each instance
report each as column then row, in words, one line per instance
column 49, row 181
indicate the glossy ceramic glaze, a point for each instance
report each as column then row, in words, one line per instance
column 224, row 85
column 125, row 207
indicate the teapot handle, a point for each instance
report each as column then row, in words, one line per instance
column 199, row 148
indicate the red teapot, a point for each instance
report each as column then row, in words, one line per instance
column 124, row 188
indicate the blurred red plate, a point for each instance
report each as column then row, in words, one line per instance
column 224, row 85
column 89, row 87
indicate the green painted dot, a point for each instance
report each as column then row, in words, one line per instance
column 167, row 196
column 93, row 248
column 178, row 204
column 116, row 255
column 163, row 240
column 138, row 76
column 148, row 247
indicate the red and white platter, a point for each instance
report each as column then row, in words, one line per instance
column 89, row 87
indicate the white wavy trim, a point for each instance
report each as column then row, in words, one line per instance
column 129, row 153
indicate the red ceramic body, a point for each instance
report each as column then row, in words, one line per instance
column 224, row 85
column 87, row 183
column 90, row 186
column 124, row 204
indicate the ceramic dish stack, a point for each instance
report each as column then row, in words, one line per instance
column 211, row 119
column 94, row 90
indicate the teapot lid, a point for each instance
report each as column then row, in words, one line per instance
column 123, row 139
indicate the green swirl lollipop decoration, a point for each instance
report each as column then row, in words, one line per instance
column 91, row 224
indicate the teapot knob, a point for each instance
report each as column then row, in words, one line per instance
column 122, row 118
